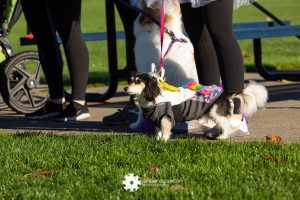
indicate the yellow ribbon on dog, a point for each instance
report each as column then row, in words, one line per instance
column 169, row 87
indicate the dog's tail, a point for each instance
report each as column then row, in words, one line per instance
column 254, row 96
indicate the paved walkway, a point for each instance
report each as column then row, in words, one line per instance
column 280, row 117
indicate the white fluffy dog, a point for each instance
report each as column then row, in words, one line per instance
column 179, row 62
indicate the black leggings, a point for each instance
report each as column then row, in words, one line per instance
column 44, row 18
column 222, row 45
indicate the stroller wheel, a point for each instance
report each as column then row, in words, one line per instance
column 23, row 85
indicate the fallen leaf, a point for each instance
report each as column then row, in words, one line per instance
column 274, row 138
column 276, row 160
column 40, row 173
column 153, row 168
column 176, row 187
column 245, row 54
column 283, row 81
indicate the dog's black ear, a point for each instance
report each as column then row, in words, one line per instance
column 133, row 73
column 151, row 90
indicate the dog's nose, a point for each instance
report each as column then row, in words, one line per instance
column 126, row 88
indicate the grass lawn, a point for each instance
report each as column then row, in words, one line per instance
column 282, row 53
column 93, row 167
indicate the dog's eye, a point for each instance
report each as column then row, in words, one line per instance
column 137, row 81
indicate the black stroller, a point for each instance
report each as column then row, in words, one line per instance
column 22, row 85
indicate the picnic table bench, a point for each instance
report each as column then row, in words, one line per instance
column 250, row 30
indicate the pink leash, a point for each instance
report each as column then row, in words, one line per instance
column 162, row 32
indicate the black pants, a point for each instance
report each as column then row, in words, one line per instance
column 44, row 18
column 221, row 45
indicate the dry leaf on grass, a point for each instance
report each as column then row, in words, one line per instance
column 153, row 168
column 276, row 160
column 176, row 187
column 274, row 138
column 40, row 173
column 245, row 54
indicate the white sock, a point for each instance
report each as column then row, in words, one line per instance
column 81, row 102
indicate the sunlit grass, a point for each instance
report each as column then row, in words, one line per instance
column 93, row 167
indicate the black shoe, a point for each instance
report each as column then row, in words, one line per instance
column 74, row 112
column 50, row 110
column 213, row 133
column 123, row 116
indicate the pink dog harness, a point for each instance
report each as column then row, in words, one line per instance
column 163, row 30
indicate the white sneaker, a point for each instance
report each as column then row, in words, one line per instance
column 238, row 128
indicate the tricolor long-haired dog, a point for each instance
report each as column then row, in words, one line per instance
column 166, row 105
column 179, row 61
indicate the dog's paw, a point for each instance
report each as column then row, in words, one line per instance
column 159, row 135
column 166, row 137
column 163, row 137
column 222, row 137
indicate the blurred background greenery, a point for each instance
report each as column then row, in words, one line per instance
column 282, row 53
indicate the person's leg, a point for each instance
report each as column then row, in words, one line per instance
column 205, row 56
column 219, row 23
column 39, row 21
column 218, row 16
column 68, row 27
column 67, row 21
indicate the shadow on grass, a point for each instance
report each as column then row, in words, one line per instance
column 20, row 124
